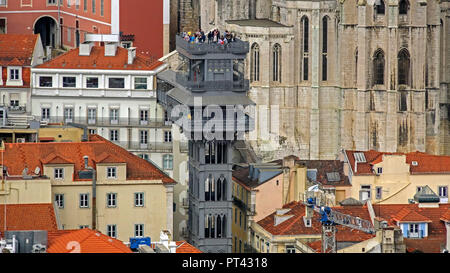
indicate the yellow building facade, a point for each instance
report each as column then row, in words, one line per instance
column 133, row 197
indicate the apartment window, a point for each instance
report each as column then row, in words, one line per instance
column 85, row 4
column 240, row 218
column 59, row 199
column 111, row 200
column 443, row 191
column 114, row 116
column 84, row 200
column 139, row 199
column 45, row 113
column 2, row 24
column 92, row 82
column 93, row 6
column 143, row 116
column 117, row 83
column 49, row 2
column 59, row 173
column 111, row 231
column 413, row 230
column 168, row 162
column 92, row 131
column 419, row 189
column 114, row 135
column 378, row 67
column 77, row 4
column 140, row 83
column 276, row 65
column 68, row 3
column 92, row 115
column 102, row 7
column 14, row 74
column 403, row 101
column 379, row 192
column 364, row 193
column 84, row 226
column 143, row 137
column 167, row 136
column 45, row 81
column 255, row 63
column 235, row 215
column 290, row 249
column 3, row 2
column 70, row 82
column 144, row 156
column 111, row 172
column 68, row 114
column 379, row 170
column 139, row 230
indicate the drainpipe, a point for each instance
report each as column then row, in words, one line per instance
column 94, row 192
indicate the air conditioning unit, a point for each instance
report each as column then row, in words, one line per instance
column 21, row 140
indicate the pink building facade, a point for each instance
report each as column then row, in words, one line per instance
column 67, row 22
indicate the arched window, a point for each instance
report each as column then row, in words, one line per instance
column 378, row 67
column 403, row 67
column 379, row 7
column 207, row 225
column 219, row 226
column 276, row 66
column 254, row 66
column 224, row 226
column 324, row 48
column 356, row 66
column 221, row 188
column 209, row 188
column 213, row 226
column 403, row 7
column 305, row 47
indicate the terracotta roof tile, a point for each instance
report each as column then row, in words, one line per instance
column 426, row 163
column 98, row 60
column 17, row 156
column 185, row 247
column 28, row 217
column 406, row 215
column 89, row 241
column 17, row 49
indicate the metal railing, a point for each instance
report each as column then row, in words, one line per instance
column 241, row 85
column 108, row 121
column 235, row 47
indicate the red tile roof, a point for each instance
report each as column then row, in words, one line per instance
column 295, row 225
column 391, row 213
column 446, row 216
column 406, row 215
column 98, row 60
column 426, row 163
column 185, row 247
column 17, row 156
column 17, row 49
column 86, row 241
column 28, row 217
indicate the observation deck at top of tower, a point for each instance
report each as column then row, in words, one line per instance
column 195, row 50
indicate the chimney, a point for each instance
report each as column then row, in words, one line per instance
column 110, row 49
column 85, row 48
column 131, row 55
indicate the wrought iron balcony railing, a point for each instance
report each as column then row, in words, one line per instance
column 235, row 47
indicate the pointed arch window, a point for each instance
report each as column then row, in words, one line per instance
column 209, row 188
column 403, row 7
column 378, row 67
column 305, row 47
column 207, row 225
column 403, row 67
column 219, row 226
column 379, row 7
column 276, row 66
column 254, row 63
column 324, row 48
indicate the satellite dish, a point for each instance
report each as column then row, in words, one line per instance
column 37, row 170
